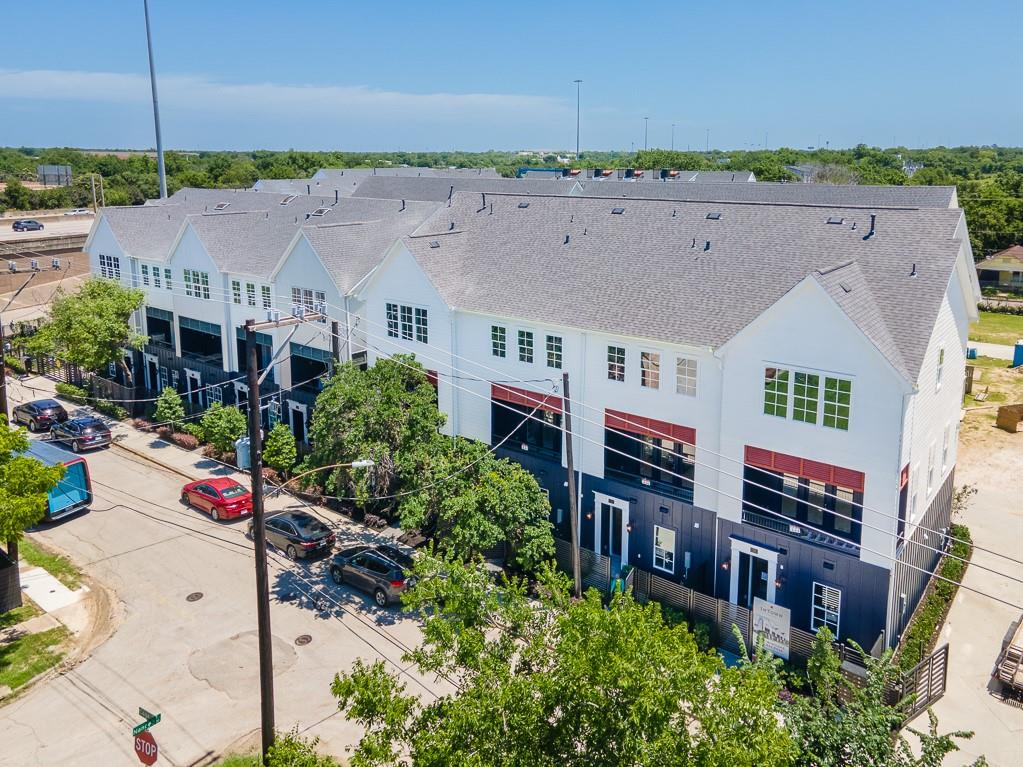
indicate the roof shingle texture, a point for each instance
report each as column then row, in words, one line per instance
column 649, row 272
column 438, row 189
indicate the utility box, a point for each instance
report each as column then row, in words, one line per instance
column 241, row 453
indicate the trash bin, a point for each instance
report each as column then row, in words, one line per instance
column 971, row 353
column 241, row 453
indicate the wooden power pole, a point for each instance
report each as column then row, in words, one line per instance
column 573, row 505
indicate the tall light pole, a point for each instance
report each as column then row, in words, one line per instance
column 673, row 137
column 708, row 139
column 646, row 124
column 578, row 101
column 160, row 169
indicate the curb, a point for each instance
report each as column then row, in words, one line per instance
column 149, row 459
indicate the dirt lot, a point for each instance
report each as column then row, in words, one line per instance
column 978, row 433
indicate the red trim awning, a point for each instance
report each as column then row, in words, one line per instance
column 804, row 467
column 648, row 427
column 531, row 399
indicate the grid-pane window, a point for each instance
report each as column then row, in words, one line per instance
column 236, row 291
column 250, row 293
column 776, row 392
column 845, row 510
column 827, row 603
column 422, row 326
column 312, row 300
column 616, row 363
column 498, row 341
column 668, row 464
column 110, row 267
column 156, row 277
column 405, row 317
column 267, row 296
column 392, row 320
column 650, row 370
column 145, row 275
column 685, row 376
column 837, row 402
column 525, row 346
column 941, row 368
column 664, row 549
column 815, row 500
column 944, row 448
column 215, row 394
column 805, row 395
column 197, row 284
column 930, row 469
column 790, row 497
column 554, row 356
column 167, row 279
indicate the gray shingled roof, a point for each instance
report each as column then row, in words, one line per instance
column 327, row 174
column 809, row 194
column 438, row 189
column 649, row 272
column 350, row 251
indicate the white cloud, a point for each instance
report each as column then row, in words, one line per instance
column 202, row 94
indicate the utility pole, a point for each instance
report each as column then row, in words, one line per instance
column 161, row 170
column 578, row 102
column 708, row 140
column 92, row 178
column 646, row 126
column 673, row 137
column 335, row 345
column 573, row 505
column 3, row 377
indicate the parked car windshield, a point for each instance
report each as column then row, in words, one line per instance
column 310, row 526
column 234, row 491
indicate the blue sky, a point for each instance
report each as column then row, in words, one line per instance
column 480, row 75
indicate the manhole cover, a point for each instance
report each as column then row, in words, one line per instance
column 195, row 596
column 303, row 640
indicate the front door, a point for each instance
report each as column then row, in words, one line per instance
column 612, row 533
column 611, row 530
column 753, row 578
column 194, row 384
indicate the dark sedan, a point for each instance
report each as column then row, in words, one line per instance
column 26, row 225
column 382, row 571
column 298, row 534
column 39, row 414
column 81, row 433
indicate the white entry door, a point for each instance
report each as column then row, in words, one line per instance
column 611, row 518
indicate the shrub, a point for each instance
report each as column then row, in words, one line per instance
column 271, row 477
column 187, row 441
column 280, row 451
column 169, row 409
column 142, row 424
column 71, row 392
column 109, row 408
column 14, row 364
column 221, row 426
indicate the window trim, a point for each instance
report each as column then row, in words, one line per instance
column 555, row 357
column 144, row 269
column 940, row 369
column 236, row 292
column 267, row 295
column 650, row 377
column 801, row 402
column 522, row 335
column 779, row 394
column 687, row 362
column 499, row 341
column 816, row 623
column 837, row 416
column 674, row 547
column 617, row 363
column 250, row 293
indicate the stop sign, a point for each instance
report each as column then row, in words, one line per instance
column 145, row 748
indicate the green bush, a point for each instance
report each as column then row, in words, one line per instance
column 920, row 635
column 109, row 408
column 280, row 451
column 1016, row 308
column 169, row 409
column 14, row 364
column 221, row 426
column 74, row 393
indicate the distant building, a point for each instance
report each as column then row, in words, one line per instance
column 1003, row 269
column 54, row 175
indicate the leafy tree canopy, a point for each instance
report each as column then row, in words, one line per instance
column 170, row 410
column 280, row 451
column 24, row 485
column 221, row 426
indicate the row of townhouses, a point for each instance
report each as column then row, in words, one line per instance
column 765, row 392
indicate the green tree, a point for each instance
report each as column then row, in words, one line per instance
column 387, row 413
column 562, row 682
column 280, row 451
column 17, row 195
column 471, row 501
column 221, row 426
column 292, row 750
column 91, row 328
column 169, row 409
column 24, row 487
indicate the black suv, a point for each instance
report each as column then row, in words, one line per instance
column 40, row 414
column 26, row 225
column 382, row 571
column 298, row 534
column 81, row 433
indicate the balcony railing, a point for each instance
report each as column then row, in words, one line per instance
column 796, row 530
column 662, row 488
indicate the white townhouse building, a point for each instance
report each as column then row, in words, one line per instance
column 208, row 260
column 765, row 396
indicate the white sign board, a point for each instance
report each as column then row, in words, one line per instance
column 772, row 621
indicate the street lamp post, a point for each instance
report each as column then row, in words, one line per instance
column 673, row 137
column 646, row 125
column 161, row 170
column 578, row 101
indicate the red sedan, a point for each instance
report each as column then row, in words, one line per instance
column 222, row 497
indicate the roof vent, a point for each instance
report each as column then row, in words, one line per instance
column 221, row 205
column 288, row 199
column 617, row 211
column 845, row 287
column 713, row 216
column 912, row 273
column 706, row 246
column 868, row 235
column 434, row 244
column 674, row 213
column 451, row 226
column 523, row 204
column 836, row 220
column 566, row 239
column 321, row 211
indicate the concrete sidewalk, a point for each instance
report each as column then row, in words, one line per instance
column 996, row 351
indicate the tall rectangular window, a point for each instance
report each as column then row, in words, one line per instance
column 167, row 279
column 837, row 403
column 845, row 510
column 250, row 293
column 776, row 392
column 650, row 370
column 685, row 376
column 267, row 296
column 405, row 315
column 110, row 267
column 498, row 341
column 827, row 604
column 156, row 277
column 944, row 448
column 790, row 497
column 236, row 291
column 422, row 326
column 664, row 549
column 525, row 346
column 815, row 500
column 392, row 320
column 145, row 275
column 554, row 352
column 197, row 284
column 616, row 363
column 930, row 469
column 941, row 368
column 805, row 394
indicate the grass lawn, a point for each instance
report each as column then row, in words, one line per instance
column 32, row 654
column 56, row 565
column 239, row 761
column 19, row 614
column 994, row 328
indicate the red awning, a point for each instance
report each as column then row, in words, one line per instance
column 806, row 468
column 531, row 399
column 648, row 427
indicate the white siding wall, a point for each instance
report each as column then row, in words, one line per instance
column 189, row 253
column 806, row 330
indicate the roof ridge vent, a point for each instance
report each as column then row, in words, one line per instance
column 715, row 216
column 836, row 220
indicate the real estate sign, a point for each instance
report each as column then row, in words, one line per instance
column 772, row 621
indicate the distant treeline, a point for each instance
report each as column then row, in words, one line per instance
column 989, row 179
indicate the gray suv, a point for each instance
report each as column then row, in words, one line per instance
column 382, row 571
